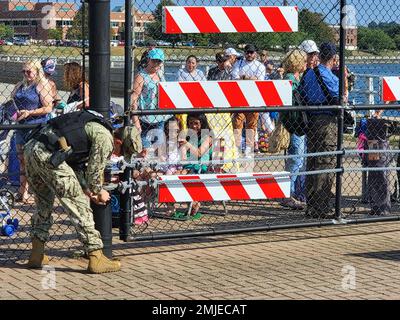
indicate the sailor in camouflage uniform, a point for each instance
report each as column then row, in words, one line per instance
column 74, row 173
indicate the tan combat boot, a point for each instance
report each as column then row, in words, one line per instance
column 37, row 258
column 99, row 263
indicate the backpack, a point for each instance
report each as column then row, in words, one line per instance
column 296, row 121
column 279, row 139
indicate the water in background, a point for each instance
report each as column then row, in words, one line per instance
column 373, row 69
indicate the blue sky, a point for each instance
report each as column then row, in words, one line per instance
column 366, row 10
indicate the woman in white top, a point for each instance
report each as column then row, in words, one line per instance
column 190, row 71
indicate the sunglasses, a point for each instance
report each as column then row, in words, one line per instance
column 250, row 52
column 157, row 61
column 27, row 71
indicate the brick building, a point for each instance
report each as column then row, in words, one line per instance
column 351, row 37
column 118, row 22
column 32, row 20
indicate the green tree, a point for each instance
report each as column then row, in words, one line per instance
column 397, row 41
column 55, row 34
column 314, row 26
column 375, row 40
column 6, row 31
column 154, row 29
column 289, row 40
column 75, row 32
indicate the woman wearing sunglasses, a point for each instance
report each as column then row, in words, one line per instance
column 34, row 100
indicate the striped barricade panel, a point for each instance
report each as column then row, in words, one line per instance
column 390, row 89
column 224, row 94
column 184, row 19
column 224, row 187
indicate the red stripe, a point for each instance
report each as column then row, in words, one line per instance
column 269, row 93
column 164, row 101
column 270, row 187
column 239, row 19
column 170, row 24
column 164, row 195
column 233, row 188
column 196, row 94
column 233, row 94
column 276, row 19
column 197, row 190
column 387, row 94
column 202, row 19
column 189, row 177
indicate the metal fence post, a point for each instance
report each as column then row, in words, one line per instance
column 99, row 77
column 125, row 198
column 339, row 157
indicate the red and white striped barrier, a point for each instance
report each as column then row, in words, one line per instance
column 391, row 89
column 185, row 19
column 224, row 94
column 221, row 187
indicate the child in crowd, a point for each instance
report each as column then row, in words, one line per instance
column 196, row 146
column 171, row 155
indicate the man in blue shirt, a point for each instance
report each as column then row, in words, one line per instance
column 319, row 86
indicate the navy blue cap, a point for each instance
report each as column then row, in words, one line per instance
column 327, row 50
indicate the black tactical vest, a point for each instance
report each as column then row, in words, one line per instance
column 72, row 127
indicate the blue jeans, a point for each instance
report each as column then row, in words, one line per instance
column 295, row 165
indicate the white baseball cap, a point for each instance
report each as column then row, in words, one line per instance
column 232, row 52
column 309, row 46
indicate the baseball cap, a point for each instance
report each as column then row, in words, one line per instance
column 328, row 50
column 156, row 54
column 309, row 46
column 49, row 66
column 250, row 47
column 116, row 115
column 221, row 57
column 231, row 52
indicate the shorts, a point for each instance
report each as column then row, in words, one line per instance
column 251, row 119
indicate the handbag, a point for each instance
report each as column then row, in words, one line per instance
column 279, row 139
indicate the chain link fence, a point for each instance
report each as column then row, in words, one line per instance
column 325, row 150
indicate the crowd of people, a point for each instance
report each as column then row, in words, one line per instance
column 314, row 73
column 67, row 155
column 37, row 100
column 188, row 144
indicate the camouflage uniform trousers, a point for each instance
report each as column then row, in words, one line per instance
column 47, row 182
column 321, row 137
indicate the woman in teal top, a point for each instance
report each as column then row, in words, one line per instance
column 145, row 97
column 200, row 135
column 294, row 65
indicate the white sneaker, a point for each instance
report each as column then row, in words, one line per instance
column 248, row 153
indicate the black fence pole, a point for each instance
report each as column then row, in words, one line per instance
column 125, row 198
column 99, row 79
column 128, row 59
column 339, row 157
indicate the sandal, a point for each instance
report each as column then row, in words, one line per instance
column 196, row 216
column 179, row 216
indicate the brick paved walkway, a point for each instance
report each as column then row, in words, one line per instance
column 291, row 264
